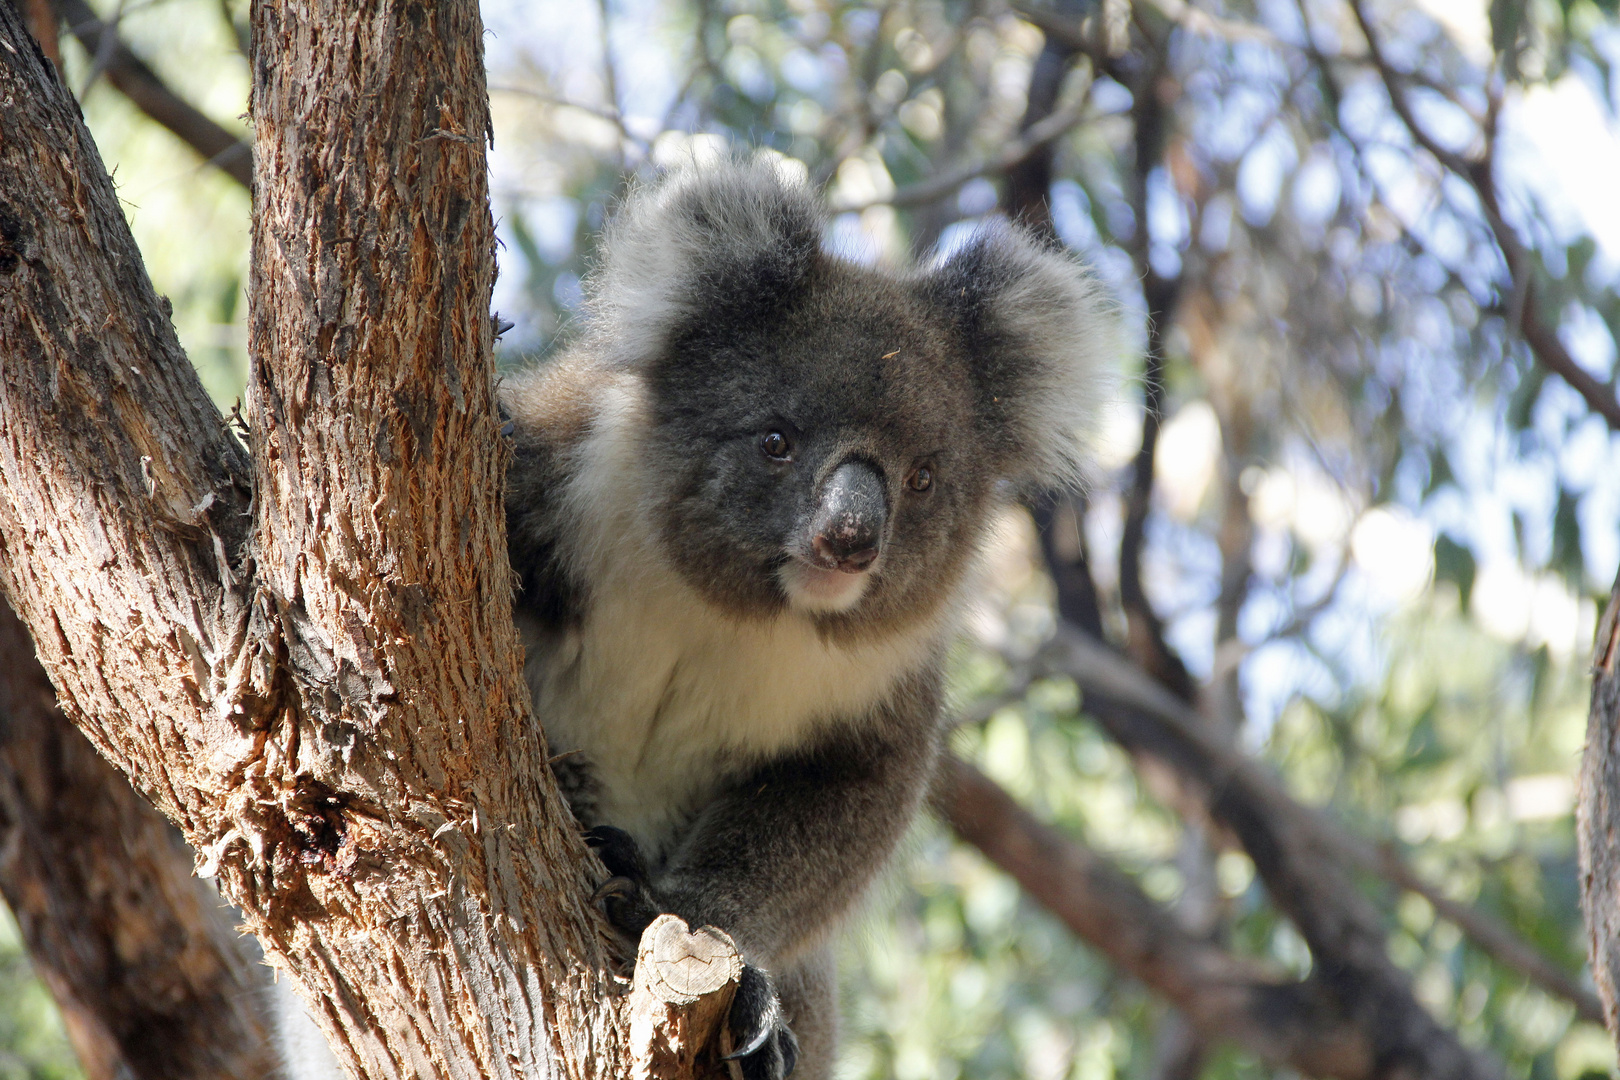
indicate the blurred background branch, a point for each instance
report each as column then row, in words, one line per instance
column 142, row 86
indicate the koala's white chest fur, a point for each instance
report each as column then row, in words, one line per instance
column 667, row 696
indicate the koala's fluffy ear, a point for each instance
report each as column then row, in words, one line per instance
column 1044, row 342
column 704, row 247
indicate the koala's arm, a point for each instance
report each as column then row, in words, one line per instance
column 785, row 852
column 548, row 413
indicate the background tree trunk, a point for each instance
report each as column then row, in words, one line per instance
column 1597, row 816
column 153, row 979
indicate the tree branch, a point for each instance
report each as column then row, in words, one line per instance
column 1017, row 150
column 380, row 540
column 1151, row 120
column 1028, row 192
column 1297, row 849
column 1597, row 816
column 1026, row 197
column 322, row 687
column 144, row 959
column 42, row 21
column 1297, row 1025
column 138, row 82
column 1304, row 875
column 683, row 986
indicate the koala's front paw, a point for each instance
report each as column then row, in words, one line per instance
column 626, row 897
column 765, row 1046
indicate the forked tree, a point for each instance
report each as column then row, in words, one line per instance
column 302, row 651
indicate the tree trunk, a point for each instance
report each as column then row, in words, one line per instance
column 1597, row 816
column 306, row 659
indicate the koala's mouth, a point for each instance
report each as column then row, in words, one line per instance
column 815, row 590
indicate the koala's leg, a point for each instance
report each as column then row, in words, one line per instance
column 809, row 993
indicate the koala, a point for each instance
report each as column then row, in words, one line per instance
column 743, row 510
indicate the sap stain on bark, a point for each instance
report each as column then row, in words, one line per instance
column 13, row 238
column 319, row 831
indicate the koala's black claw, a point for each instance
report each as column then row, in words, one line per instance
column 765, row 1047
column 615, row 888
column 618, row 851
column 626, row 897
column 775, row 1058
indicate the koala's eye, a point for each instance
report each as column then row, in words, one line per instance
column 921, row 478
column 774, row 444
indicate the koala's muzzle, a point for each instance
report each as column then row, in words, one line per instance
column 847, row 528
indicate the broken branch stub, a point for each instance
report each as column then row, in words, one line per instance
column 682, row 991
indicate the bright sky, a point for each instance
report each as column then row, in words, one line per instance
column 1568, row 148
column 1571, row 159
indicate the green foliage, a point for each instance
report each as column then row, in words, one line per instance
column 190, row 220
column 33, row 1045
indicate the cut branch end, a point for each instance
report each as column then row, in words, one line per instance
column 684, row 983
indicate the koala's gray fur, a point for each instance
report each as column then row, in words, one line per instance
column 762, row 726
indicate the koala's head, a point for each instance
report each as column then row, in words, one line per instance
column 828, row 438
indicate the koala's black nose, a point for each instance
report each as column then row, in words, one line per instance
column 847, row 529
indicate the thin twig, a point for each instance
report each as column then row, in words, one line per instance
column 102, row 54
column 862, row 125
column 240, row 34
column 1479, row 172
column 610, row 75
column 935, row 187
column 600, row 112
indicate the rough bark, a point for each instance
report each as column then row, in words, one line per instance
column 144, row 959
column 321, row 686
column 1597, row 818
column 380, row 539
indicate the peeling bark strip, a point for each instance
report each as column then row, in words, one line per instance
column 320, row 686
column 1597, row 816
column 144, row 960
